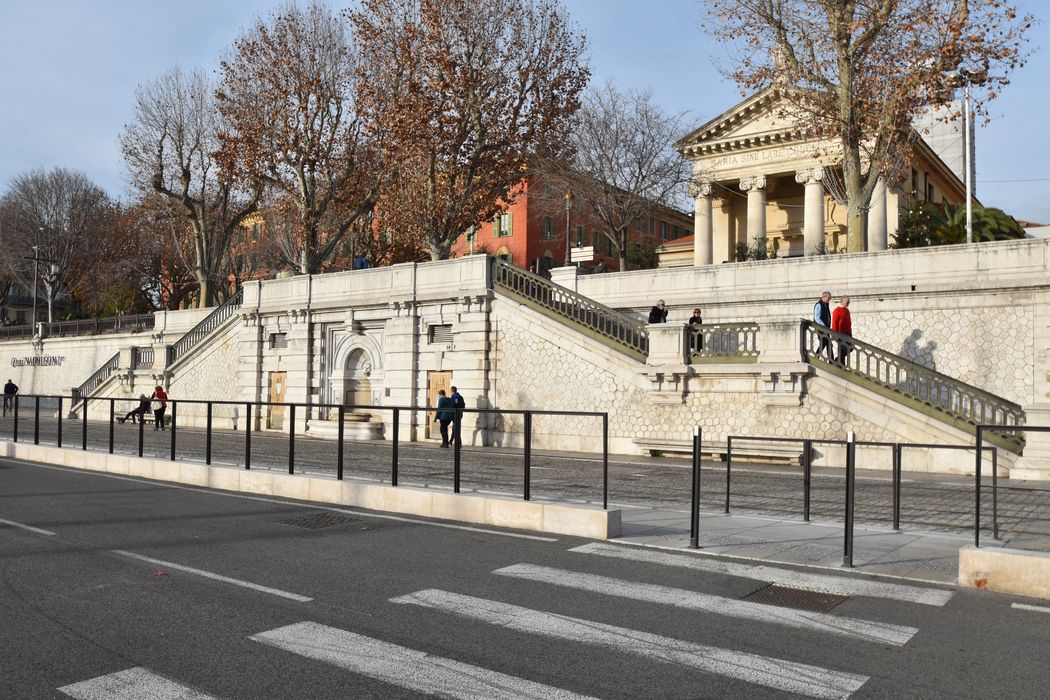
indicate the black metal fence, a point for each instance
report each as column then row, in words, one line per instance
column 84, row 326
column 255, row 413
column 806, row 446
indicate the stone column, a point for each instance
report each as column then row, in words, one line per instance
column 755, row 186
column 703, row 231
column 877, row 238
column 813, row 221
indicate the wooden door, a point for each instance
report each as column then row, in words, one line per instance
column 435, row 382
column 278, row 390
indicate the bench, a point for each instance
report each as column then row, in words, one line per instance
column 743, row 451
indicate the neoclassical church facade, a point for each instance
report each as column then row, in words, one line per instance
column 757, row 176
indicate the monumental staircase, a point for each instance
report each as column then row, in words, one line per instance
column 158, row 360
column 868, row 374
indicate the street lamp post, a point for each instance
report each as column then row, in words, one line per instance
column 569, row 199
column 968, row 145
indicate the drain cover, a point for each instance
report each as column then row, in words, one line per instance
column 795, row 598
column 318, row 521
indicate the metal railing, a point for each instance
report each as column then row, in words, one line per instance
column 255, row 413
column 723, row 343
column 942, row 396
column 203, row 329
column 100, row 375
column 84, row 326
column 619, row 331
column 849, row 481
column 142, row 357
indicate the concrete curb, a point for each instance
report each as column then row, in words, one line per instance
column 1005, row 570
column 553, row 518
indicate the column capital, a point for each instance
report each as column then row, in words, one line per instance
column 810, row 176
column 753, row 183
column 701, row 188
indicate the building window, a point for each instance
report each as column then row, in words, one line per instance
column 278, row 340
column 504, row 255
column 547, row 228
column 665, row 231
column 580, row 235
column 914, row 182
column 503, row 225
column 439, row 334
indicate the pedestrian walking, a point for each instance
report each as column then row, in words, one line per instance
column 10, row 391
column 822, row 317
column 161, row 399
column 444, row 417
column 658, row 314
column 842, row 323
column 141, row 410
column 458, row 404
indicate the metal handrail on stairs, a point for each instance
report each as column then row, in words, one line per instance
column 101, row 374
column 607, row 325
column 942, row 396
column 203, row 329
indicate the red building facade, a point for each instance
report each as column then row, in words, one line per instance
column 530, row 231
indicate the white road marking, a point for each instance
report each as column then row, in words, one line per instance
column 404, row 667
column 783, row 577
column 37, row 530
column 132, row 684
column 779, row 674
column 1034, row 608
column 867, row 630
column 263, row 499
column 216, row 577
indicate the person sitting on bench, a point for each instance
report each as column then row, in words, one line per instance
column 141, row 410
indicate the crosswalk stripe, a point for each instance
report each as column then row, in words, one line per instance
column 787, row 676
column 1033, row 608
column 783, row 577
column 407, row 668
column 132, row 684
column 867, row 630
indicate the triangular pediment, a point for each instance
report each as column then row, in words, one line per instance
column 756, row 118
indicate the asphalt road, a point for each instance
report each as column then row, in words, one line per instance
column 115, row 587
column 932, row 502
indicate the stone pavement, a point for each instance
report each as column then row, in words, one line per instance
column 912, row 554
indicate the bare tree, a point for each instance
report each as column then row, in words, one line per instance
column 55, row 217
column 287, row 94
column 859, row 71
column 623, row 168
column 169, row 148
column 461, row 95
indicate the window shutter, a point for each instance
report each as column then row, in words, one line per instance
column 510, row 223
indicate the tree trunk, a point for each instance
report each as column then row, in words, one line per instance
column 207, row 292
column 439, row 250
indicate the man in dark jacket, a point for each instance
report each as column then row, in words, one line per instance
column 458, row 404
column 658, row 314
column 444, row 417
column 10, row 390
column 822, row 317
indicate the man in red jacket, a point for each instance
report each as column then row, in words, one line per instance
column 840, row 322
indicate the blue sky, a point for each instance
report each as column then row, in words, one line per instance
column 69, row 68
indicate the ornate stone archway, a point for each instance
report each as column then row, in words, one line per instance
column 357, row 379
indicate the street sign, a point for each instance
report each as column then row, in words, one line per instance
column 581, row 254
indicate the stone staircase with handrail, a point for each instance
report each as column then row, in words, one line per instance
column 145, row 358
column 929, row 391
column 208, row 325
column 604, row 324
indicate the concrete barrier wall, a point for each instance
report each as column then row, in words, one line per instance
column 1005, row 570
column 554, row 518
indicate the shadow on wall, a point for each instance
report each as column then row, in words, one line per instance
column 488, row 427
column 920, row 354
